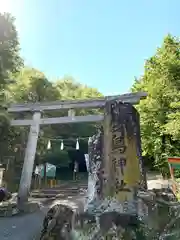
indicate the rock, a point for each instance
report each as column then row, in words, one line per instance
column 31, row 207
column 8, row 209
column 58, row 223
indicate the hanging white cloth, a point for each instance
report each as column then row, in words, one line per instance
column 89, row 140
column 77, row 144
column 62, row 145
column 49, row 145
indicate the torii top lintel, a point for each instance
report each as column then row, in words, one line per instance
column 132, row 98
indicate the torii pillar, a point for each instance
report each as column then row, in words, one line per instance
column 26, row 175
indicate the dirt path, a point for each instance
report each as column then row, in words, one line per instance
column 28, row 226
column 22, row 227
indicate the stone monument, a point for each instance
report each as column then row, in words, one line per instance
column 118, row 205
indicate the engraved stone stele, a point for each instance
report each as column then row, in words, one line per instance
column 116, row 168
column 115, row 175
column 118, row 205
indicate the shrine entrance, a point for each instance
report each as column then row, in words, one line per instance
column 37, row 108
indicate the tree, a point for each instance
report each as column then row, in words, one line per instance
column 10, row 63
column 32, row 86
column 161, row 80
column 10, row 60
column 70, row 89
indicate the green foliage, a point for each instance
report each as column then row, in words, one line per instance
column 57, row 158
column 160, row 125
column 10, row 63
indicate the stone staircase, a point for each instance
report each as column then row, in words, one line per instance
column 61, row 191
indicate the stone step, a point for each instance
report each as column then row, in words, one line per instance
column 43, row 195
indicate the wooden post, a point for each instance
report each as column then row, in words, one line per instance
column 26, row 176
column 51, row 183
column 45, row 174
column 174, row 186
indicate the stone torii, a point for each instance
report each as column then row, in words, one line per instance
column 36, row 121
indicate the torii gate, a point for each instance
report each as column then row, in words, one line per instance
column 36, row 121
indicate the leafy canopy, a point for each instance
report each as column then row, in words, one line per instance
column 160, row 125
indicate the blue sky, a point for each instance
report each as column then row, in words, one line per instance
column 101, row 43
